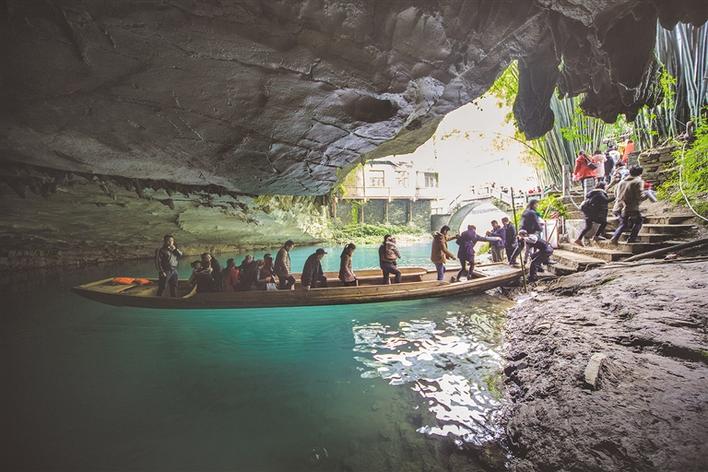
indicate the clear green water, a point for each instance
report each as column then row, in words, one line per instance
column 378, row 387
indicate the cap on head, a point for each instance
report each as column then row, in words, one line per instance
column 320, row 251
column 533, row 239
column 268, row 256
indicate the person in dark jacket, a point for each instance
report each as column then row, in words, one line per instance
column 312, row 274
column 249, row 273
column 539, row 249
column 595, row 210
column 465, row 253
column 388, row 260
column 217, row 273
column 202, row 277
column 609, row 166
column 540, row 254
column 166, row 261
column 530, row 219
column 509, row 237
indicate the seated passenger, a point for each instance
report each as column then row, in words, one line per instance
column 266, row 275
column 231, row 276
column 282, row 266
column 346, row 274
column 249, row 273
column 312, row 274
column 209, row 261
column 202, row 277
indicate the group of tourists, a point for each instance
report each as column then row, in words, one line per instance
column 267, row 273
column 600, row 173
column 505, row 244
column 609, row 167
column 276, row 273
column 630, row 192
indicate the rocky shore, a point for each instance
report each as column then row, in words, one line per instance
column 607, row 370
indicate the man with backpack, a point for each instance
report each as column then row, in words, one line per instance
column 594, row 207
column 388, row 260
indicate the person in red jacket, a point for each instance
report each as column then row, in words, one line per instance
column 585, row 172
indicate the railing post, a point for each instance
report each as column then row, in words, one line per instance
column 565, row 182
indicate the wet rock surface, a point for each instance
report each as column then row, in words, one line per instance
column 608, row 370
column 276, row 96
column 86, row 222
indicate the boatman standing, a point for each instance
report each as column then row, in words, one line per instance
column 166, row 260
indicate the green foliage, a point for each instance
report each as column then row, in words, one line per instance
column 270, row 203
column 680, row 90
column 695, row 174
column 371, row 234
column 572, row 130
column 550, row 204
column 506, row 88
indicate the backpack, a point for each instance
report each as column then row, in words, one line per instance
column 390, row 253
column 588, row 206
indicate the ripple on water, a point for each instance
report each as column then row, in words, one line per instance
column 447, row 363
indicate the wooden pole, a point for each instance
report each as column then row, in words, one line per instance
column 521, row 253
column 666, row 250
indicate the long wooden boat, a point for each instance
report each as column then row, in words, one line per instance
column 419, row 283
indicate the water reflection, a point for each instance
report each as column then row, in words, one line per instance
column 450, row 364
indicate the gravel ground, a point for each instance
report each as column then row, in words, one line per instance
column 607, row 370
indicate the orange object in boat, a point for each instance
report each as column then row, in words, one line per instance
column 142, row 281
column 123, row 280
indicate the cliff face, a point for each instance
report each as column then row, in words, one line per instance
column 275, row 96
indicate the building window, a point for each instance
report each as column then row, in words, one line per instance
column 431, row 180
column 402, row 178
column 376, row 178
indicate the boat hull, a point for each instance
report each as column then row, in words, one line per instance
column 145, row 297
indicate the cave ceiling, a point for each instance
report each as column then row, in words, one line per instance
column 274, row 96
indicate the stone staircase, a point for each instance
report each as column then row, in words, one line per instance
column 658, row 231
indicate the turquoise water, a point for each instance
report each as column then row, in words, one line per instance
column 377, row 387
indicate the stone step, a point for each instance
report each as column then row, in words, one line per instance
column 673, row 229
column 634, row 248
column 657, row 219
column 560, row 270
column 651, row 219
column 649, row 237
column 608, row 255
column 573, row 261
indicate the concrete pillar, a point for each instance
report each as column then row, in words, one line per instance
column 386, row 211
column 409, row 218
